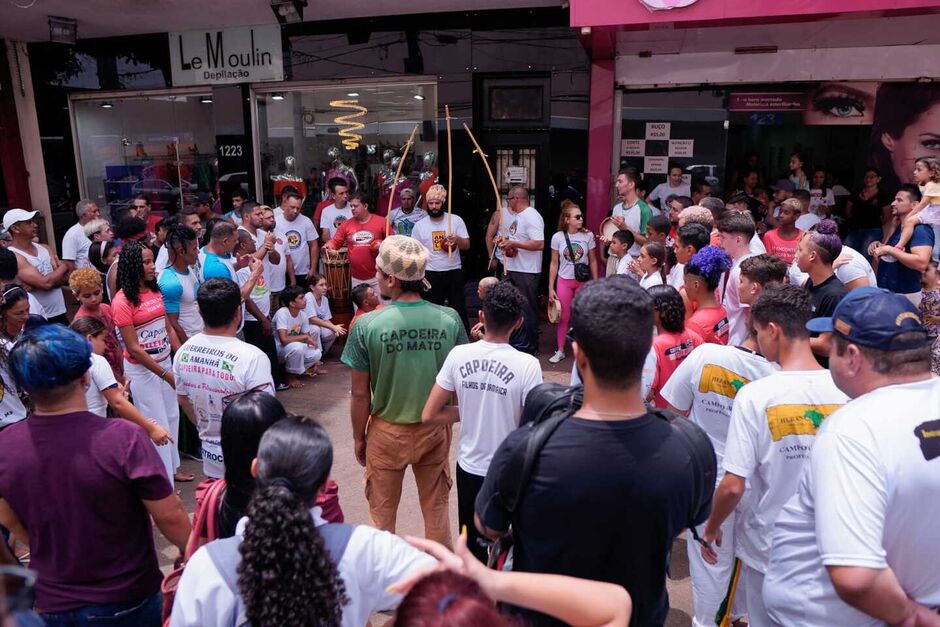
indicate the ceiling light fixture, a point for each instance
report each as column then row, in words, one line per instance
column 63, row 30
column 277, row 96
column 205, row 99
column 353, row 94
column 418, row 97
column 350, row 137
column 106, row 105
column 288, row 11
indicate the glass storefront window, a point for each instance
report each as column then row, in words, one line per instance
column 161, row 144
column 309, row 134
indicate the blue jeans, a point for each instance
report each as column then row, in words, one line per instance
column 140, row 613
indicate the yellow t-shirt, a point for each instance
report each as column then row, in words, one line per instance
column 931, row 191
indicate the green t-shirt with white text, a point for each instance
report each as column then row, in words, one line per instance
column 403, row 346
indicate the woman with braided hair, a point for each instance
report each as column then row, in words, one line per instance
column 141, row 319
column 285, row 566
column 703, row 274
column 179, row 282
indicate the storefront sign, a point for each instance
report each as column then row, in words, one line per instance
column 681, row 147
column 632, row 147
column 781, row 101
column 234, row 55
column 656, row 165
column 516, row 175
column 657, row 130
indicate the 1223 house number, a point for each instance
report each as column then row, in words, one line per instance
column 230, row 150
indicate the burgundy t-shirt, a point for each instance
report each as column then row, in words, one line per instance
column 76, row 482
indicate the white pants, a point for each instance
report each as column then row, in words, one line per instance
column 710, row 583
column 156, row 400
column 327, row 337
column 297, row 356
column 754, row 595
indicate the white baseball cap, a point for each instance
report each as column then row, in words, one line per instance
column 13, row 216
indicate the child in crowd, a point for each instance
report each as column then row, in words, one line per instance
column 298, row 346
column 620, row 245
column 318, row 312
column 103, row 390
column 652, row 263
column 703, row 274
column 797, row 171
column 673, row 341
column 86, row 286
column 927, row 211
column 657, row 230
column 930, row 311
column 102, row 255
column 366, row 300
column 782, row 240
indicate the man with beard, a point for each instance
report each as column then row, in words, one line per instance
column 444, row 237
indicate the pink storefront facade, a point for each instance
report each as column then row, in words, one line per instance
column 734, row 76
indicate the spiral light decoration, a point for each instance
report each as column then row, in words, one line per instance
column 350, row 136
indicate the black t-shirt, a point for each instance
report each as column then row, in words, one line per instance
column 825, row 296
column 605, row 501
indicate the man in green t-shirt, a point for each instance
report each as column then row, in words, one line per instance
column 395, row 354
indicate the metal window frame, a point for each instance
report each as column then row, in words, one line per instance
column 135, row 94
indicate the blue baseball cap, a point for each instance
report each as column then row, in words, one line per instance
column 874, row 318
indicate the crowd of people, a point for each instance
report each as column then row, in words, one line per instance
column 739, row 376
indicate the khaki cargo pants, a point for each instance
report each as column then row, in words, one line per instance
column 390, row 448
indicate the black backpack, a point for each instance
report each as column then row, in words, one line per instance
column 549, row 404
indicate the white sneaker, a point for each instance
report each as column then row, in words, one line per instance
column 557, row 357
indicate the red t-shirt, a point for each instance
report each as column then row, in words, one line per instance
column 671, row 350
column 363, row 241
column 148, row 320
column 783, row 248
column 323, row 204
column 711, row 323
column 360, row 313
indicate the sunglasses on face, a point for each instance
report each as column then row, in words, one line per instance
column 577, row 217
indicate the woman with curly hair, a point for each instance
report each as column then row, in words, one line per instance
column 148, row 339
column 703, row 274
column 88, row 289
column 286, row 566
column 673, row 342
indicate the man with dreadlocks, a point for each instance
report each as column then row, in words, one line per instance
column 179, row 283
column 140, row 316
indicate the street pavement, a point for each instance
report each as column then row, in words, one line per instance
column 326, row 398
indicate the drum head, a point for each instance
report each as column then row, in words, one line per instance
column 608, row 228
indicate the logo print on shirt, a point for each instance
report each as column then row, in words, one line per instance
column 338, row 221
column 785, row 420
column 362, row 238
column 228, row 366
column 718, row 380
column 578, row 252
column 437, row 240
column 293, row 239
column 513, row 227
column 929, row 435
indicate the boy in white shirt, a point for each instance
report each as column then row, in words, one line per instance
column 703, row 388
column 490, row 380
column 298, row 344
column 735, row 231
column 856, row 545
column 773, row 423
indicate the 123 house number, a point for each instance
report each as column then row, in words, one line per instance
column 230, row 150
